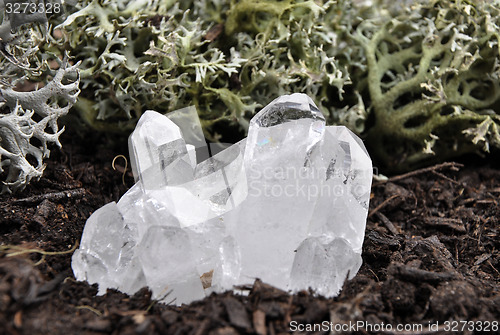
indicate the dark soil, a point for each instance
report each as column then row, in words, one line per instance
column 431, row 254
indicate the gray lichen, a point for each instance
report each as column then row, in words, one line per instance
column 28, row 119
column 139, row 55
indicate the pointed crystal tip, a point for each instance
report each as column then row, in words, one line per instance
column 287, row 108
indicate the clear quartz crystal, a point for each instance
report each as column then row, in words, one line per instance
column 158, row 153
column 288, row 205
column 326, row 265
column 168, row 263
column 190, row 126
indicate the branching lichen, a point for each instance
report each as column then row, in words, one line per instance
column 32, row 116
column 433, row 80
column 28, row 119
column 419, row 79
column 168, row 55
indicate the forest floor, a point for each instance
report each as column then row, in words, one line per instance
column 431, row 259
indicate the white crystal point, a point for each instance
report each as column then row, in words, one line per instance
column 170, row 269
column 324, row 266
column 190, row 126
column 305, row 126
column 275, row 216
column 287, row 108
column 100, row 248
column 219, row 186
column 158, row 152
column 346, row 170
column 288, row 205
column 228, row 269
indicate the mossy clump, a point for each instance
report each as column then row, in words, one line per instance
column 418, row 79
column 139, row 55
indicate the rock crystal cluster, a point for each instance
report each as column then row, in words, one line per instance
column 288, row 205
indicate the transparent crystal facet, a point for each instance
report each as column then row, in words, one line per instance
column 288, row 205
column 158, row 153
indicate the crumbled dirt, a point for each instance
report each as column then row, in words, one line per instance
column 431, row 254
